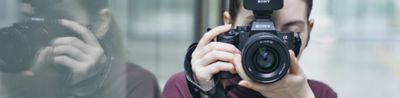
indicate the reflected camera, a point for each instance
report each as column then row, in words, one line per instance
column 21, row 42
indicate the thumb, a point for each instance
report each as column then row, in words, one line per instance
column 248, row 84
column 43, row 55
column 294, row 68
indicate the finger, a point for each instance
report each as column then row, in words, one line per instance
column 265, row 89
column 218, row 46
column 71, row 41
column 220, row 66
column 206, row 73
column 70, row 51
column 251, row 85
column 28, row 73
column 43, row 55
column 209, row 36
column 214, row 56
column 86, row 34
column 68, row 62
column 294, row 65
column 237, row 61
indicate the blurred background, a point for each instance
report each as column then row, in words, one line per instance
column 354, row 47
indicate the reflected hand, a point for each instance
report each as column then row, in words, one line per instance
column 76, row 54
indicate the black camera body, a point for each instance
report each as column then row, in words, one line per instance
column 265, row 55
column 21, row 42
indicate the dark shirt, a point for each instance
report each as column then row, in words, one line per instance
column 121, row 80
column 176, row 87
column 127, row 80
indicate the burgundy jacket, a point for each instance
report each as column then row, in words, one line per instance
column 119, row 80
column 176, row 87
column 128, row 80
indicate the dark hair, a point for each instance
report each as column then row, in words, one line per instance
column 92, row 7
column 234, row 7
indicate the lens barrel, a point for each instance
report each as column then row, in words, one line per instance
column 265, row 58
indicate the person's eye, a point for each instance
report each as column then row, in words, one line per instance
column 293, row 28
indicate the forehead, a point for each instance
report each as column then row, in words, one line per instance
column 68, row 9
column 292, row 10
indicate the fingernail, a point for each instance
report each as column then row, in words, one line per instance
column 291, row 52
column 242, row 83
column 28, row 73
column 238, row 52
column 237, row 55
column 228, row 25
column 60, row 20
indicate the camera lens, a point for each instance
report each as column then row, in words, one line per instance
column 21, row 42
column 15, row 55
column 265, row 60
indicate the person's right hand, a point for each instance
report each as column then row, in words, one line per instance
column 210, row 57
column 79, row 55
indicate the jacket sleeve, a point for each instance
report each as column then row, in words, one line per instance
column 142, row 84
column 176, row 87
column 321, row 90
column 182, row 85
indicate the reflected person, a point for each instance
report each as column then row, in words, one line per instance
column 69, row 49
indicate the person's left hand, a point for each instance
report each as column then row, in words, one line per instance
column 76, row 54
column 293, row 85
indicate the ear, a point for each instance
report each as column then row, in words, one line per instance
column 310, row 27
column 227, row 18
column 103, row 23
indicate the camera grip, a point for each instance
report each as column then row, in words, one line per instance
column 225, row 75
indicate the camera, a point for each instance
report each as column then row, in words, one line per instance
column 21, row 42
column 265, row 55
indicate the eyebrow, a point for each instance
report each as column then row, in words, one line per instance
column 294, row 23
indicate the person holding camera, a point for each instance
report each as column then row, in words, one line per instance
column 69, row 49
column 264, row 57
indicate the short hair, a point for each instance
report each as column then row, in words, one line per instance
column 92, row 6
column 234, row 6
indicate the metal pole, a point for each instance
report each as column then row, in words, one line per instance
column 200, row 18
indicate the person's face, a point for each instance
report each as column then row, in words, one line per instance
column 292, row 18
column 98, row 22
column 44, row 74
column 74, row 11
column 71, row 10
column 43, row 66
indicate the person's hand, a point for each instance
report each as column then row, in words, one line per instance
column 293, row 85
column 76, row 54
column 210, row 58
